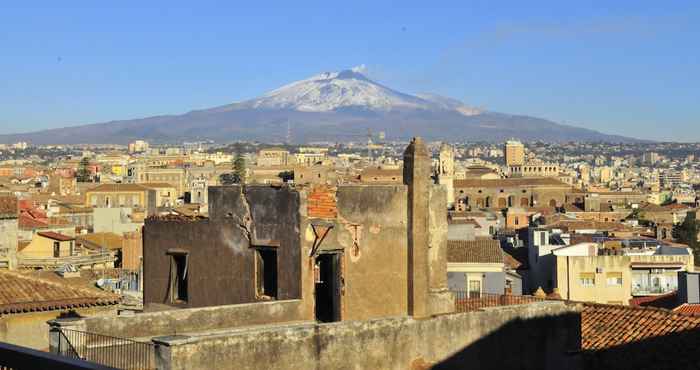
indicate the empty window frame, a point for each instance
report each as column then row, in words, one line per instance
column 266, row 272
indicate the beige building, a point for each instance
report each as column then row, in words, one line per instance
column 511, row 192
column 614, row 277
column 49, row 244
column 138, row 146
column 9, row 227
column 515, row 153
column 166, row 194
column 121, row 195
column 273, row 157
column 173, row 176
column 534, row 170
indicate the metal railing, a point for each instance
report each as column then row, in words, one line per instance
column 86, row 260
column 651, row 290
column 110, row 351
column 14, row 357
column 471, row 301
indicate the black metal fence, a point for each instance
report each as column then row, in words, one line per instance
column 471, row 301
column 110, row 351
column 19, row 358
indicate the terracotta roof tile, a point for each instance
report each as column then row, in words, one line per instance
column 667, row 301
column 8, row 207
column 607, row 326
column 509, row 182
column 55, row 236
column 687, row 308
column 109, row 188
column 474, row 251
column 21, row 293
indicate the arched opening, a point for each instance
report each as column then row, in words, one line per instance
column 511, row 201
column 524, row 202
column 502, row 203
column 487, row 203
column 552, row 203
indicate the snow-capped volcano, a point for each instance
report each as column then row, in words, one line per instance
column 332, row 106
column 330, row 91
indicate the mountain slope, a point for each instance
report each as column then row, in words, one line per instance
column 331, row 106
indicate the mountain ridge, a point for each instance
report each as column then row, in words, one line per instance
column 330, row 106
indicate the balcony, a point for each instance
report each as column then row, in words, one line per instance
column 651, row 290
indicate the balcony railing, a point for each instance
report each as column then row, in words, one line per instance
column 472, row 301
column 15, row 357
column 81, row 260
column 120, row 353
column 649, row 290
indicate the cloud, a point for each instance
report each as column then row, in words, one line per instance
column 360, row 69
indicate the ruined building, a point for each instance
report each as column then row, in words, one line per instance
column 347, row 252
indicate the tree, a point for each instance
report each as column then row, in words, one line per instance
column 239, row 166
column 286, row 176
column 229, row 179
column 83, row 174
column 687, row 233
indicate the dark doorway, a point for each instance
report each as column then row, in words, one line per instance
column 266, row 269
column 178, row 276
column 328, row 285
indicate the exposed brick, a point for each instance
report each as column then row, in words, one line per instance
column 321, row 202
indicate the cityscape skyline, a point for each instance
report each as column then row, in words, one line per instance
column 627, row 72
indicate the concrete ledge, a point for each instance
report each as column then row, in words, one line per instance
column 181, row 321
column 541, row 334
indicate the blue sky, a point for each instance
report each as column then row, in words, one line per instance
column 622, row 67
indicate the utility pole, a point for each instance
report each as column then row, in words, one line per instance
column 369, row 144
column 289, row 132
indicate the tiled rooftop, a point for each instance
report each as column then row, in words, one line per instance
column 688, row 308
column 8, row 207
column 481, row 250
column 607, row 326
column 21, row 293
column 509, row 182
column 55, row 236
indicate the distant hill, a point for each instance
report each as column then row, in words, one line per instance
column 331, row 106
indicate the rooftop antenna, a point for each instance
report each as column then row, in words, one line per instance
column 289, row 132
column 369, row 144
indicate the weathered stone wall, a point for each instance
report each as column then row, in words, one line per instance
column 371, row 230
column 221, row 258
column 535, row 336
column 175, row 322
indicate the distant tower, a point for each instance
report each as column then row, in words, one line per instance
column 514, row 153
column 446, row 171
